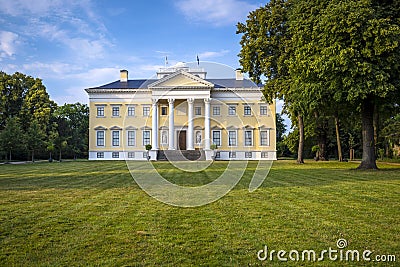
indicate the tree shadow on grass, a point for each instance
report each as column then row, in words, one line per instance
column 110, row 175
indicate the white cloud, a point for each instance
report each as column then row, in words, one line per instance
column 71, row 24
column 8, row 43
column 212, row 54
column 217, row 12
column 37, row 7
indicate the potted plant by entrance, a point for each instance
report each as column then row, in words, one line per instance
column 148, row 147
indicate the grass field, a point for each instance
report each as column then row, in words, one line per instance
column 93, row 213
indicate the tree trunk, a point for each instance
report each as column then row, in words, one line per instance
column 376, row 127
column 339, row 145
column 33, row 156
column 59, row 158
column 367, row 116
column 300, row 158
column 10, row 155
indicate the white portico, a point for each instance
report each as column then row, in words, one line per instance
column 181, row 85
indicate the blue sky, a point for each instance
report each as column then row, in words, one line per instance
column 75, row 44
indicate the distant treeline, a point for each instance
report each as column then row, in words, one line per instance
column 32, row 126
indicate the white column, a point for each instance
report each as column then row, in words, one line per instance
column 154, row 124
column 171, row 126
column 189, row 141
column 207, row 124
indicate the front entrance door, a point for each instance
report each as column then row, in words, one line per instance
column 182, row 140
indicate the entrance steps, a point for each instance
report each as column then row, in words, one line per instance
column 181, row 155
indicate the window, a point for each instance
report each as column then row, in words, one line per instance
column 216, row 137
column 100, row 138
column 216, row 110
column 146, row 137
column 131, row 111
column 115, row 111
column 218, row 155
column 197, row 111
column 146, row 111
column 100, row 111
column 247, row 110
column 115, row 155
column 264, row 138
column 131, row 155
column 264, row 155
column 164, row 111
column 100, row 155
column 232, row 141
column 164, row 137
column 198, row 137
column 115, row 138
column 232, row 110
column 248, row 155
column 248, row 138
column 264, row 110
column 131, row 138
column 232, row 154
column 144, row 155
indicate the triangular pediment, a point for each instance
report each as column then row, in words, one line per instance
column 181, row 79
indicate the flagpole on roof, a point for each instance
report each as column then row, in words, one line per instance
column 198, row 61
column 166, row 61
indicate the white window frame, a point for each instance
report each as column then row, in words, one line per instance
column 220, row 137
column 97, row 138
column 131, row 155
column 245, row 108
column 146, row 111
column 102, row 109
column 262, row 106
column 166, row 110
column 129, row 138
column 232, row 108
column 248, row 154
column 268, row 137
column 196, row 109
column 252, row 137
column 100, row 155
column 115, row 155
column 264, row 154
column 115, row 111
column 143, row 137
column 214, row 109
column 131, row 111
column 115, row 140
column 229, row 138
column 232, row 154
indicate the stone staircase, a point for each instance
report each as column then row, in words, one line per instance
column 181, row 155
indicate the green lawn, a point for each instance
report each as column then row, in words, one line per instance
column 93, row 213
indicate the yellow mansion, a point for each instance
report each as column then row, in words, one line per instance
column 179, row 111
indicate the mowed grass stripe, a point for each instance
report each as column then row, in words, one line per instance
column 99, row 216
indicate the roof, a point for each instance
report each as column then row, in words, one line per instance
column 218, row 83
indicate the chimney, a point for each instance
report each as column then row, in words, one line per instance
column 123, row 76
column 239, row 75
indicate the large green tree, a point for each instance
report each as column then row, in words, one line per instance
column 35, row 138
column 13, row 89
column 36, row 105
column 321, row 53
column 12, row 137
column 73, row 126
column 351, row 52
